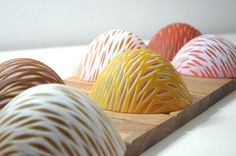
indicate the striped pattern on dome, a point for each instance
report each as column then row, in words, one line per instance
column 168, row 41
column 140, row 81
column 207, row 56
column 55, row 120
column 17, row 75
column 103, row 49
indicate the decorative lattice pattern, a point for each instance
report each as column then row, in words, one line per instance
column 55, row 120
column 207, row 56
column 103, row 49
column 168, row 41
column 140, row 81
column 16, row 75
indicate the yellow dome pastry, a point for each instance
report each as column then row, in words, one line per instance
column 140, row 81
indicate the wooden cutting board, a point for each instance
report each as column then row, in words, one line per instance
column 141, row 131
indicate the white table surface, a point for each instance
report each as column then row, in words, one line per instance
column 211, row 133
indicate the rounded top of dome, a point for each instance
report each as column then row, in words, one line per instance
column 103, row 49
column 140, row 81
column 16, row 75
column 57, row 120
column 207, row 56
column 168, row 41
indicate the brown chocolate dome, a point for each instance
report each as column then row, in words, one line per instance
column 17, row 75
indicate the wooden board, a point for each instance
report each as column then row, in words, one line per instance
column 141, row 131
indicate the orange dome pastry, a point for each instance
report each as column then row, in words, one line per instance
column 103, row 49
column 17, row 75
column 140, row 81
column 171, row 38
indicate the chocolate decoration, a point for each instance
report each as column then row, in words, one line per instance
column 103, row 49
column 171, row 38
column 140, row 81
column 56, row 120
column 207, row 56
column 17, row 75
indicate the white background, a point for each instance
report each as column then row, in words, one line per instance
column 26, row 24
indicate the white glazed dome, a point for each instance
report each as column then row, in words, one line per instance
column 56, row 120
column 103, row 49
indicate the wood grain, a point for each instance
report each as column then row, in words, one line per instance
column 141, row 131
column 81, row 85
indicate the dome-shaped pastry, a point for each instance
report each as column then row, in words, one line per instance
column 56, row 120
column 207, row 56
column 103, row 49
column 16, row 75
column 140, row 81
column 168, row 41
